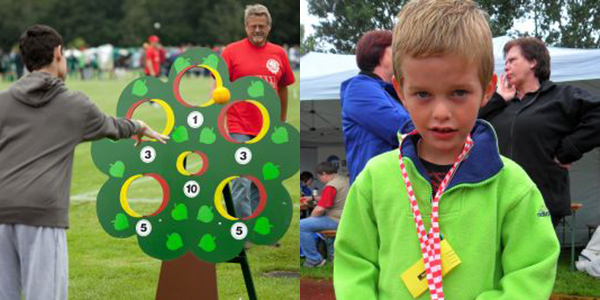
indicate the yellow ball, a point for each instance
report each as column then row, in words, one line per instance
column 221, row 95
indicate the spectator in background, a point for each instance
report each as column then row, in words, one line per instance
column 542, row 126
column 306, row 197
column 4, row 64
column 17, row 62
column 326, row 214
column 152, row 57
column 371, row 110
column 306, row 179
column 254, row 56
column 294, row 54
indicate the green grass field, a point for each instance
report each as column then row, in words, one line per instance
column 102, row 267
column 568, row 282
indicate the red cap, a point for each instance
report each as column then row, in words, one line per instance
column 153, row 39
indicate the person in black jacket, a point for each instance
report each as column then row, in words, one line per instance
column 542, row 126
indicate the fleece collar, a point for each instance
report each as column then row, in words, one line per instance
column 482, row 163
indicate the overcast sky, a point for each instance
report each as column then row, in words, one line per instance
column 306, row 19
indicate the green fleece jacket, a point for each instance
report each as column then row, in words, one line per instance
column 492, row 215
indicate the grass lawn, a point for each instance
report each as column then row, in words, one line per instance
column 568, row 282
column 102, row 267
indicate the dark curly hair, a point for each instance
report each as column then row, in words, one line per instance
column 37, row 45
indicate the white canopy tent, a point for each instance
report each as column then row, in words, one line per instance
column 321, row 75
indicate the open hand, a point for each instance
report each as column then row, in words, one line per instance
column 505, row 90
column 146, row 131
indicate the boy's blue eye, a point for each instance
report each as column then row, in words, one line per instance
column 460, row 93
column 422, row 95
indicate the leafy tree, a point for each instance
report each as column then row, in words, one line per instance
column 192, row 218
column 130, row 22
column 343, row 22
column 564, row 23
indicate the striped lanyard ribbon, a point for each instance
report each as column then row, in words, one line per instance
column 430, row 243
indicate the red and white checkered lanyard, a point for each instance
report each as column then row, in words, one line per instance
column 430, row 243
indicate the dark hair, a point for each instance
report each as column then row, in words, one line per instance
column 37, row 46
column 371, row 47
column 306, row 176
column 327, row 168
column 533, row 48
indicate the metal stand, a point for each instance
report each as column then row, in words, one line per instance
column 242, row 258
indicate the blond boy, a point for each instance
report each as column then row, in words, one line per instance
column 483, row 206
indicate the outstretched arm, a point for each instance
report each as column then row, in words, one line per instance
column 145, row 130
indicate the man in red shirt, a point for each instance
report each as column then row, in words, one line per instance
column 152, row 59
column 254, row 56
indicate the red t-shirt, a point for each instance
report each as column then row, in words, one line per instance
column 270, row 63
column 153, row 55
column 327, row 197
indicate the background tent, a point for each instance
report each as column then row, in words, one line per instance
column 321, row 75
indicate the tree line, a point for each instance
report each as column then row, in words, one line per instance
column 130, row 22
column 561, row 23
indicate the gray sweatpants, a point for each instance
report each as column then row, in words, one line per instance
column 33, row 263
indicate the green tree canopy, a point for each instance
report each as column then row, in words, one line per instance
column 564, row 23
column 130, row 22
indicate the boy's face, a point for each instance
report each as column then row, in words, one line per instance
column 443, row 95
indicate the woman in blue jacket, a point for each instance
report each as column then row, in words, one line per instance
column 371, row 110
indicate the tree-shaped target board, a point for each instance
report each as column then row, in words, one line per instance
column 192, row 216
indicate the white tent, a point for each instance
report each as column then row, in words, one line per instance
column 321, row 75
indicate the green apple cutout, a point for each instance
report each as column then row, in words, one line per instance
column 256, row 89
column 207, row 136
column 211, row 61
column 207, row 243
column 139, row 88
column 174, row 241
column 180, row 212
column 280, row 135
column 263, row 226
column 180, row 134
column 181, row 64
column 205, row 214
column 270, row 171
column 121, row 222
column 117, row 169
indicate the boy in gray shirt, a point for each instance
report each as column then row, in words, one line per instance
column 41, row 122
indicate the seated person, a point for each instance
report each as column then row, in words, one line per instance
column 326, row 214
column 307, row 198
column 306, row 179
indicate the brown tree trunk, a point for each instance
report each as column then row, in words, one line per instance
column 187, row 278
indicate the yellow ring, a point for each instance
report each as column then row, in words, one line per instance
column 180, row 160
column 123, row 198
column 218, row 198
column 266, row 122
column 170, row 117
column 219, row 83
